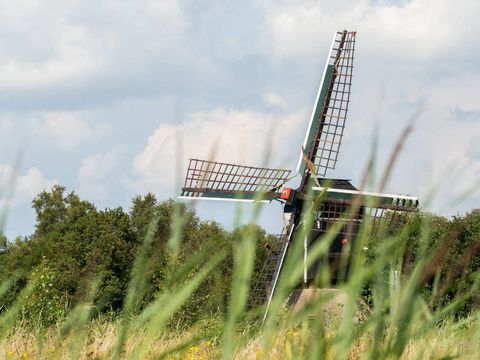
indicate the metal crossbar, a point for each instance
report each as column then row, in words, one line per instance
column 211, row 176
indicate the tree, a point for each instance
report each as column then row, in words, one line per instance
column 82, row 244
column 3, row 242
column 142, row 212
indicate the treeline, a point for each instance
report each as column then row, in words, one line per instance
column 443, row 254
column 79, row 254
column 76, row 247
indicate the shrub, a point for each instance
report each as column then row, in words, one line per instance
column 43, row 305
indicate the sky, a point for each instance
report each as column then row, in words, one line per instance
column 110, row 98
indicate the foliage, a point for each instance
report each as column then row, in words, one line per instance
column 76, row 244
column 3, row 242
column 156, row 273
column 44, row 305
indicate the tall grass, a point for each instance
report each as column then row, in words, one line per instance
column 397, row 322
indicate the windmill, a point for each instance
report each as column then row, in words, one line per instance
column 231, row 182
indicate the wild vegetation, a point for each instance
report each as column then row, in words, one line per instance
column 155, row 281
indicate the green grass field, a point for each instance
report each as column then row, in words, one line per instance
column 156, row 282
column 406, row 318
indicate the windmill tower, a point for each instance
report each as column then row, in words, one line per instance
column 224, row 181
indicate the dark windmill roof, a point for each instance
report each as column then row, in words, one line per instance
column 343, row 184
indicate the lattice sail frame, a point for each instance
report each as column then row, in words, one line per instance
column 378, row 221
column 327, row 123
column 330, row 213
column 226, row 181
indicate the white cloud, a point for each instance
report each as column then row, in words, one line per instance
column 444, row 152
column 64, row 129
column 417, row 29
column 61, row 42
column 69, row 131
column 276, row 100
column 70, row 62
column 5, row 123
column 26, row 186
column 238, row 136
column 94, row 172
column 6, row 130
column 44, row 48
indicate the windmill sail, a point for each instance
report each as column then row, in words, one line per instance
column 327, row 122
column 379, row 200
column 224, row 181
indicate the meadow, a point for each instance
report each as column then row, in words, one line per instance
column 155, row 281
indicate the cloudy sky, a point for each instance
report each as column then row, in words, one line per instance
column 110, row 97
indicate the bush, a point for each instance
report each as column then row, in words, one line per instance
column 43, row 304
